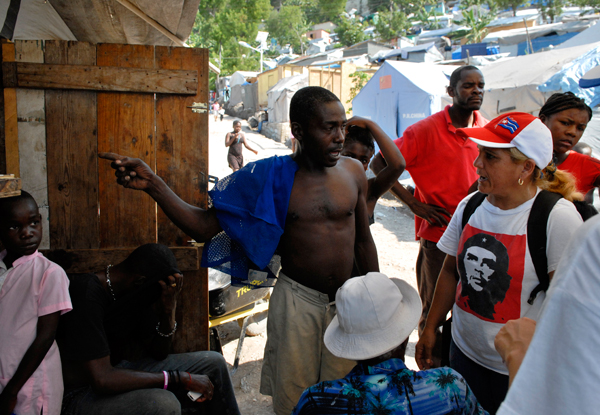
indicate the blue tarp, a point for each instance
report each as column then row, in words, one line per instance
column 567, row 79
column 540, row 43
column 401, row 93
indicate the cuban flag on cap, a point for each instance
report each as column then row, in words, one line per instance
column 515, row 129
column 510, row 124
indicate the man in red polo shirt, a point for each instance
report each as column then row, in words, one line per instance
column 441, row 165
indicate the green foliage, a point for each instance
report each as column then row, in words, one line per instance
column 331, row 9
column 594, row 4
column 359, row 80
column 288, row 25
column 390, row 25
column 552, row 9
column 350, row 31
column 423, row 16
column 379, row 5
column 220, row 24
column 511, row 4
column 476, row 23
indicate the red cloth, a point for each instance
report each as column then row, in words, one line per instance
column 440, row 163
column 585, row 169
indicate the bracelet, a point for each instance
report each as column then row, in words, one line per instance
column 166, row 335
column 166, row 385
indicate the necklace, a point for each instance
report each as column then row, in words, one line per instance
column 108, row 282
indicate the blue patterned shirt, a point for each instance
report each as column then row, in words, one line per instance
column 392, row 389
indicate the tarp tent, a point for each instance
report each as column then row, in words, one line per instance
column 401, row 93
column 281, row 94
column 147, row 22
column 512, row 85
column 590, row 35
column 239, row 77
column 567, row 79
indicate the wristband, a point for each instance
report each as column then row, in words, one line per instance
column 190, row 375
column 166, row 385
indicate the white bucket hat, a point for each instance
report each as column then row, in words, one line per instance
column 375, row 314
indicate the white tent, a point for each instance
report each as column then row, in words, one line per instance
column 146, row 22
column 590, row 35
column 239, row 77
column 281, row 94
column 512, row 85
column 401, row 93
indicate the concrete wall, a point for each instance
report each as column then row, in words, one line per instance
column 279, row 132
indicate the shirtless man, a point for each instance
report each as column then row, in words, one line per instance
column 326, row 228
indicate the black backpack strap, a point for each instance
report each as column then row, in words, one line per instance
column 472, row 205
column 537, row 238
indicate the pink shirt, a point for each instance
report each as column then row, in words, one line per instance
column 33, row 287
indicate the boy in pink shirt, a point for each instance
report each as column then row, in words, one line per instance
column 34, row 292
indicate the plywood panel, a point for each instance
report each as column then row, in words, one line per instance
column 91, row 260
column 72, row 142
column 11, row 129
column 125, row 126
column 31, row 124
column 182, row 161
column 192, row 313
column 98, row 78
column 182, row 138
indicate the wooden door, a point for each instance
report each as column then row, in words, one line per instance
column 79, row 99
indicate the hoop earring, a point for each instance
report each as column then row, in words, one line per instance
column 520, row 181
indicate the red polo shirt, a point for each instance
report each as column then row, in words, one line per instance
column 440, row 163
column 584, row 168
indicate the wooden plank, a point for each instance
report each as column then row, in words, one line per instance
column 182, row 138
column 2, row 125
column 31, row 120
column 72, row 155
column 9, row 186
column 125, row 126
column 99, row 78
column 91, row 260
column 11, row 129
column 192, row 313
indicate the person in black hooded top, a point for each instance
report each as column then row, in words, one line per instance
column 115, row 344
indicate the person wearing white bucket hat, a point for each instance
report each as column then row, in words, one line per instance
column 375, row 316
column 500, row 274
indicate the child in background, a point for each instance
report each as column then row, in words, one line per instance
column 34, row 292
column 360, row 133
column 234, row 140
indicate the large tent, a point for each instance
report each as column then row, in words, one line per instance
column 280, row 96
column 401, row 93
column 512, row 85
column 145, row 22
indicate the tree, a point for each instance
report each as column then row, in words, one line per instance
column 288, row 25
column 331, row 9
column 594, row 4
column 391, row 25
column 476, row 25
column 551, row 8
column 220, row 24
column 511, row 4
column 359, row 80
column 350, row 31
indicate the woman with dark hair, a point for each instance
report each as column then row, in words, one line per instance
column 496, row 271
column 567, row 116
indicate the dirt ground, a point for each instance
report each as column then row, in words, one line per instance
column 393, row 233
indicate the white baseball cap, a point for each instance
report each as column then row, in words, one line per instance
column 515, row 129
column 375, row 314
